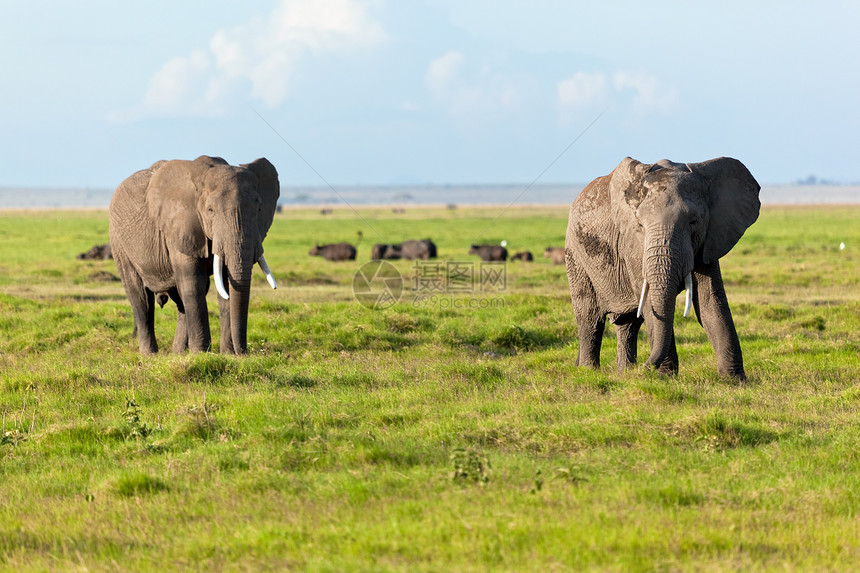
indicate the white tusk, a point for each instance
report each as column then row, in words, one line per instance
column 269, row 276
column 642, row 298
column 688, row 284
column 219, row 278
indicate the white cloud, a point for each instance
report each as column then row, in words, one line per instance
column 442, row 72
column 166, row 92
column 256, row 59
column 469, row 95
column 585, row 89
column 649, row 93
column 582, row 89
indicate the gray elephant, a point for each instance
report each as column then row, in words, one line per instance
column 178, row 222
column 638, row 237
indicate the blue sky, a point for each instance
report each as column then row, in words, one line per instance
column 376, row 92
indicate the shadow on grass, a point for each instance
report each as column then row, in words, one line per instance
column 717, row 431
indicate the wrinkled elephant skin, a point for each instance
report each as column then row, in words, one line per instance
column 638, row 237
column 171, row 222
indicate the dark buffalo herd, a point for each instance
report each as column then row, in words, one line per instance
column 425, row 249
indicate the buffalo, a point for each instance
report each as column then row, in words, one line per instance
column 523, row 256
column 489, row 252
column 556, row 254
column 334, row 252
column 412, row 249
column 382, row 251
column 98, row 252
column 423, row 249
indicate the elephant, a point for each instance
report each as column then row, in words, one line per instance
column 177, row 222
column 489, row 252
column 638, row 237
column 525, row 256
column 556, row 254
column 334, row 252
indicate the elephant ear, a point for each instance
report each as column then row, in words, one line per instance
column 733, row 201
column 269, row 189
column 172, row 199
column 626, row 191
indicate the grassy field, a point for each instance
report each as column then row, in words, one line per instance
column 451, row 435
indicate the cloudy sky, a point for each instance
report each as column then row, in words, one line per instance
column 376, row 92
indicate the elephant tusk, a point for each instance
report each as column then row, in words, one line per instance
column 688, row 284
column 642, row 297
column 269, row 276
column 219, row 278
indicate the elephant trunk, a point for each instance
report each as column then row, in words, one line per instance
column 240, row 269
column 238, row 261
column 239, row 319
column 667, row 265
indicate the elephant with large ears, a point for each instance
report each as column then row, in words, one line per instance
column 178, row 222
column 638, row 237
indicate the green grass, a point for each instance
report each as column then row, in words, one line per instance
column 443, row 437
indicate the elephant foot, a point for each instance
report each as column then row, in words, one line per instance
column 622, row 368
column 735, row 373
column 665, row 368
column 231, row 350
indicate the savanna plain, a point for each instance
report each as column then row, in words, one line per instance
column 449, row 434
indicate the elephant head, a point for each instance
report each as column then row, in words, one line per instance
column 207, row 210
column 674, row 218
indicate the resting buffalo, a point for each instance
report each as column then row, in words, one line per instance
column 523, row 256
column 556, row 254
column 382, row 251
column 98, row 252
column 334, row 252
column 412, row 249
column 489, row 252
column 423, row 249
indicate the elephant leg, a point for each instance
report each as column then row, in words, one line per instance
column 590, row 320
column 226, row 346
column 712, row 308
column 590, row 326
column 142, row 305
column 627, row 332
column 192, row 284
column 180, row 339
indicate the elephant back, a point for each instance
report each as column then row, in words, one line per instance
column 128, row 201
